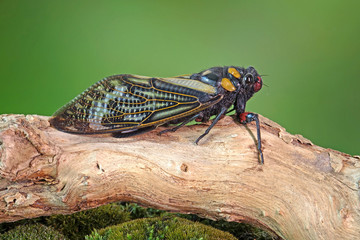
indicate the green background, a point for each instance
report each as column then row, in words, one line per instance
column 308, row 50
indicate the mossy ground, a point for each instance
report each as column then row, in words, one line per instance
column 78, row 225
column 165, row 227
column 32, row 232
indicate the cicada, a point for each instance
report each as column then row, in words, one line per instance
column 128, row 104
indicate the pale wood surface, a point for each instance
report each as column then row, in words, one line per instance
column 302, row 191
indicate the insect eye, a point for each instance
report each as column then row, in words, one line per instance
column 248, row 79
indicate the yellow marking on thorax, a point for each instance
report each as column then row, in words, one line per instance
column 234, row 72
column 227, row 84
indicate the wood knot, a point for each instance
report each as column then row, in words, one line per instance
column 184, row 167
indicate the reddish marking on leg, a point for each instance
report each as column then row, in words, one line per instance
column 243, row 117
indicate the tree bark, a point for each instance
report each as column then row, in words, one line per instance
column 302, row 191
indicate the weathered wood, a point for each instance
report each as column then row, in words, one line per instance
column 302, row 191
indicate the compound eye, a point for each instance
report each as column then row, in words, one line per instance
column 248, row 79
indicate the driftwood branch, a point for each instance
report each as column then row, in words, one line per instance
column 302, row 191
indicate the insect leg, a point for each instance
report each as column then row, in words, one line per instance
column 232, row 109
column 212, row 125
column 247, row 117
column 132, row 132
column 180, row 125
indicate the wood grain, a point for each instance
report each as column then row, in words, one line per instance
column 303, row 191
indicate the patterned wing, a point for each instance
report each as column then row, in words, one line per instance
column 128, row 102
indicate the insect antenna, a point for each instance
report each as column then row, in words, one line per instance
column 263, row 82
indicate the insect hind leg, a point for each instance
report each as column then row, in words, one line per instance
column 130, row 133
column 181, row 124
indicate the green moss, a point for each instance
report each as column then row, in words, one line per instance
column 78, row 225
column 239, row 230
column 158, row 228
column 140, row 212
column 32, row 232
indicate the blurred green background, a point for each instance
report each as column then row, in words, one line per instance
column 309, row 51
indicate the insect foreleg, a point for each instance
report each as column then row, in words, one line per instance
column 212, row 124
column 247, row 117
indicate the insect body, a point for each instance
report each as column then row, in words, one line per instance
column 130, row 104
